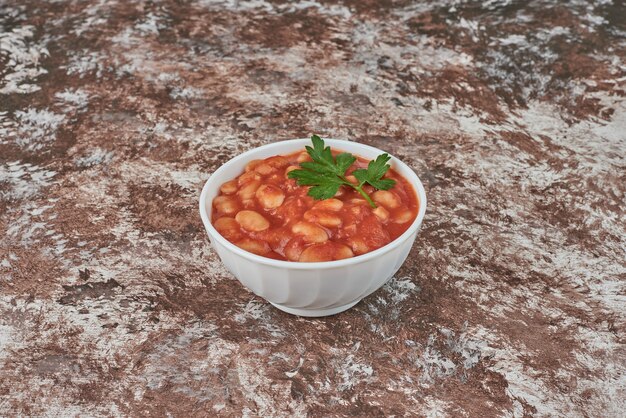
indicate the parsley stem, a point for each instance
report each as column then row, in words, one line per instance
column 365, row 196
column 359, row 189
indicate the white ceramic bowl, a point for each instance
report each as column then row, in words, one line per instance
column 310, row 289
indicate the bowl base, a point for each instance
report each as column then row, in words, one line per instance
column 315, row 312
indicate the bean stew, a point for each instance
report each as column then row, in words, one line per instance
column 266, row 213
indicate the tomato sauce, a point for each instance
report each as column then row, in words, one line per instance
column 266, row 213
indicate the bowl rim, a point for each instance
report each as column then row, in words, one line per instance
column 318, row 265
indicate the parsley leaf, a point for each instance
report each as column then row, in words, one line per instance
column 327, row 173
column 375, row 171
column 325, row 184
column 344, row 161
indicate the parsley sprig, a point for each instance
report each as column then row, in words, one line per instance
column 327, row 173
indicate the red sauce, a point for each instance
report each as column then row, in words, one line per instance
column 266, row 213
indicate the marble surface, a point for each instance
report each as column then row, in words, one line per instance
column 113, row 113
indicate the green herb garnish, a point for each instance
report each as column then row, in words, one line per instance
column 327, row 173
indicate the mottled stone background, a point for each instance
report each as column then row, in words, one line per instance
column 114, row 113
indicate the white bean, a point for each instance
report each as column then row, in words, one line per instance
column 315, row 253
column 388, row 199
column 342, row 251
column 293, row 249
column 352, row 179
column 277, row 161
column 254, row 246
column 381, row 213
column 358, row 246
column 327, row 251
column 324, row 218
column 252, row 164
column 329, row 204
column 358, row 201
column 310, row 232
column 228, row 227
column 270, row 197
column 340, row 192
column 229, row 187
column 248, row 177
column 252, row 221
column 248, row 190
column 402, row 216
column 225, row 204
column 264, row 169
column 302, row 157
